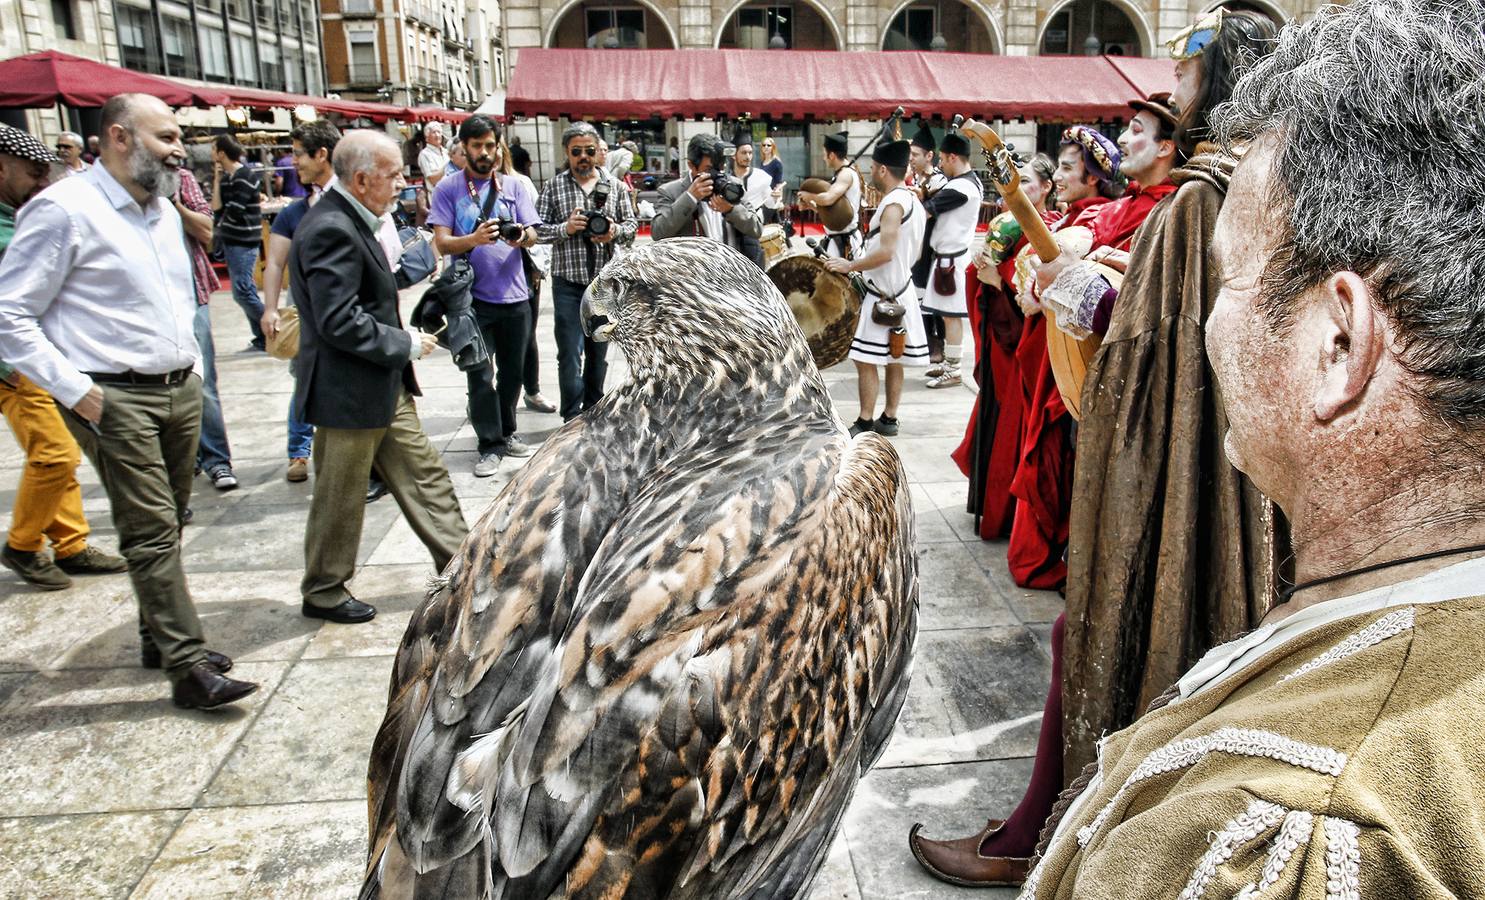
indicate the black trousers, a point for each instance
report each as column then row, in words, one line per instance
column 495, row 389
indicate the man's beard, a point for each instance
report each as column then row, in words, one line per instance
column 482, row 166
column 151, row 172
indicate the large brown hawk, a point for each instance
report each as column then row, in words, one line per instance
column 673, row 643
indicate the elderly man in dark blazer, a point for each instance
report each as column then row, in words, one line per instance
column 687, row 206
column 356, row 381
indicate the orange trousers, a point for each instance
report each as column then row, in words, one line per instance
column 48, row 502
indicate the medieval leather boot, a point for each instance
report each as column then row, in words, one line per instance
column 959, row 861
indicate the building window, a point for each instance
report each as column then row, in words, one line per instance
column 608, row 23
column 757, row 25
column 62, row 20
column 264, row 10
column 913, row 29
column 213, row 52
column 273, row 73
column 364, row 66
column 293, row 72
column 241, row 10
column 137, row 48
column 211, row 6
column 180, row 47
column 244, row 59
column 308, row 17
column 314, row 79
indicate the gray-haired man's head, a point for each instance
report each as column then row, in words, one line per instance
column 141, row 144
column 1351, row 323
column 580, row 143
column 369, row 164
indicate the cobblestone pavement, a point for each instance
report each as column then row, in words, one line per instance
column 107, row 790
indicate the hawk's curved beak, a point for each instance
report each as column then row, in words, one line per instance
column 595, row 314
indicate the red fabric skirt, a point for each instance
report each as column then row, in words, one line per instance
column 1042, row 483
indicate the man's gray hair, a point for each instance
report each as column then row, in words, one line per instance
column 577, row 130
column 433, row 128
column 1378, row 110
column 358, row 152
column 74, row 137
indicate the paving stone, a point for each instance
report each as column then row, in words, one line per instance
column 956, row 593
column 308, row 850
column 102, row 740
column 40, row 626
column 80, row 856
column 270, row 536
column 977, row 693
column 313, row 738
column 395, row 591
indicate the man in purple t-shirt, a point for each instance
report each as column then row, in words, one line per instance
column 462, row 226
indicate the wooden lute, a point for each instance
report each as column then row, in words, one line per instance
column 1069, row 356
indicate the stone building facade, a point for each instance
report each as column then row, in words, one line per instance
column 414, row 52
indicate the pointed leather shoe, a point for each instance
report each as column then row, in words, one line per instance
column 350, row 612
column 150, row 658
column 206, row 688
column 959, row 862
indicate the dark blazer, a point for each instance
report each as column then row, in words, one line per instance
column 675, row 216
column 353, row 353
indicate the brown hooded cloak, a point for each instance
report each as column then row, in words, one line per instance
column 1171, row 549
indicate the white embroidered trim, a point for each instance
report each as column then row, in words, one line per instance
column 1067, row 297
column 1297, row 828
column 1390, row 625
column 1028, row 887
column 1259, row 817
column 1342, row 860
column 1238, row 741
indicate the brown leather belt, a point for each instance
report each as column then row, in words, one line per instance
column 164, row 378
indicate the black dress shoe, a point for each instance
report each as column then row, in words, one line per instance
column 206, row 688
column 376, row 489
column 149, row 658
column 350, row 612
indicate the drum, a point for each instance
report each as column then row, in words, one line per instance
column 774, row 243
column 825, row 304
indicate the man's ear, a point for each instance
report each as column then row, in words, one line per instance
column 1167, row 149
column 1353, row 344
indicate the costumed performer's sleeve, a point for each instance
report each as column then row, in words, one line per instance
column 1075, row 298
column 943, row 201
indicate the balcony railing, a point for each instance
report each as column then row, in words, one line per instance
column 364, row 75
column 358, row 7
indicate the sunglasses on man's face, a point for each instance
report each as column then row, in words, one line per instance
column 579, row 151
column 66, row 146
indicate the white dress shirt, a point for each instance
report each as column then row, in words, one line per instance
column 757, row 188
column 92, row 282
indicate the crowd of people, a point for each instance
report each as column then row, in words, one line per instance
column 1258, row 491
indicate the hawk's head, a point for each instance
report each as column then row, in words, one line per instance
column 691, row 307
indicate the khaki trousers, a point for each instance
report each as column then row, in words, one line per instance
column 414, row 475
column 48, row 501
column 145, row 454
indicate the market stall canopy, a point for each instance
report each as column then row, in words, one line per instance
column 822, row 84
column 1149, row 76
column 44, row 79
column 253, row 98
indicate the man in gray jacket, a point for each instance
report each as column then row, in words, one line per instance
column 687, row 207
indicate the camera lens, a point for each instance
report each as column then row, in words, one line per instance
column 512, row 231
column 598, row 223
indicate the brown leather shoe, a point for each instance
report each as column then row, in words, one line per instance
column 959, row 862
column 205, row 688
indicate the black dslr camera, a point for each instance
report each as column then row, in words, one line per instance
column 724, row 183
column 598, row 221
column 510, row 231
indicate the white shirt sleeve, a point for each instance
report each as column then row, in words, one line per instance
column 431, row 161
column 31, row 274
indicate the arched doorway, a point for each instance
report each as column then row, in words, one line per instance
column 1267, row 10
column 947, row 25
column 1094, row 28
column 778, row 26
column 598, row 25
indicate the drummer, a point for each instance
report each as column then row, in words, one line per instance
column 886, row 261
column 953, row 213
column 845, row 187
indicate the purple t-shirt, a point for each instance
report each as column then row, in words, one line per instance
column 284, row 167
column 498, row 276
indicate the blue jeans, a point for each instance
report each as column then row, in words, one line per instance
column 582, row 363
column 240, row 264
column 301, row 433
column 213, row 450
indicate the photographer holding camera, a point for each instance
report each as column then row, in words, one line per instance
column 709, row 202
column 492, row 219
column 588, row 215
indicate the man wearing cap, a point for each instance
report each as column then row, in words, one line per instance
column 688, row 206
column 953, row 213
column 845, row 187
column 48, row 500
column 97, row 307
column 886, row 266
